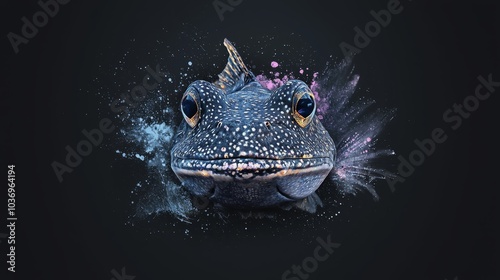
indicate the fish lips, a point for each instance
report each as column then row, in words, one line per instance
column 249, row 182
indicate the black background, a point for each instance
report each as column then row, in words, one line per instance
column 441, row 223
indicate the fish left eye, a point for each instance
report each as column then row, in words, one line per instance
column 189, row 107
column 304, row 107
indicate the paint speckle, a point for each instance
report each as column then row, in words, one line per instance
column 139, row 157
column 274, row 64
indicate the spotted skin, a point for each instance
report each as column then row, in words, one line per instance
column 248, row 151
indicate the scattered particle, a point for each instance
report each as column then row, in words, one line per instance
column 139, row 157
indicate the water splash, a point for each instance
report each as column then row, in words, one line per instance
column 151, row 141
column 353, row 124
column 354, row 129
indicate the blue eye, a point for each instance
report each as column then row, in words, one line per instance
column 304, row 107
column 190, row 109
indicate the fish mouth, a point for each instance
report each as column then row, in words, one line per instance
column 252, row 182
column 246, row 168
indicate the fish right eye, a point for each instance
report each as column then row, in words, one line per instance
column 304, row 107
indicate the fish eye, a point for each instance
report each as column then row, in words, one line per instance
column 304, row 107
column 190, row 108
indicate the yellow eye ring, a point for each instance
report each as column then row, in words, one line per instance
column 304, row 107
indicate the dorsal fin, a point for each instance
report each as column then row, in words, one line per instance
column 235, row 74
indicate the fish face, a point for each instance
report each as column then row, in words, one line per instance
column 250, row 147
